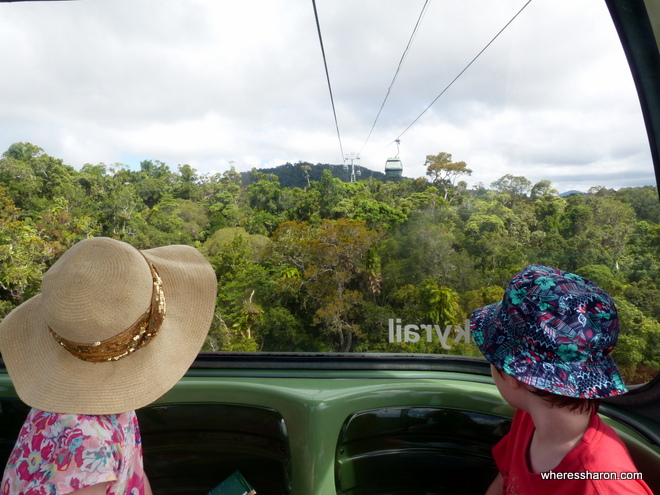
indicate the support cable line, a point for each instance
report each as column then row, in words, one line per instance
column 461, row 73
column 405, row 53
column 327, row 75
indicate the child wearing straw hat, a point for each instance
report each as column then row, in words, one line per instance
column 549, row 342
column 113, row 329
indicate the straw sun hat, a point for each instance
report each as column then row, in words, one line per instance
column 113, row 329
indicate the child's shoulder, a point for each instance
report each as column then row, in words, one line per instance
column 603, row 449
column 605, row 458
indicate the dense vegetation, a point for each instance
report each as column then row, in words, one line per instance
column 302, row 173
column 341, row 266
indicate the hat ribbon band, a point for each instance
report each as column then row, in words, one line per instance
column 136, row 336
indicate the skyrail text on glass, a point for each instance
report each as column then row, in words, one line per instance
column 399, row 332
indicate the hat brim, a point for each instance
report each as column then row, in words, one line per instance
column 486, row 332
column 47, row 377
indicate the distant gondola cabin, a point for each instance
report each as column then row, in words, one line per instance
column 393, row 168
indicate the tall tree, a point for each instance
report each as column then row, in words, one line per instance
column 328, row 260
column 23, row 256
column 444, row 172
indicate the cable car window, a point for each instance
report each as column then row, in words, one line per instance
column 273, row 136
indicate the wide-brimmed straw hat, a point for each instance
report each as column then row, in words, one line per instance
column 553, row 330
column 113, row 329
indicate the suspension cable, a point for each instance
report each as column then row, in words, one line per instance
column 327, row 76
column 466, row 68
column 405, row 53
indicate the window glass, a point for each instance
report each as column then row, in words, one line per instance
column 460, row 141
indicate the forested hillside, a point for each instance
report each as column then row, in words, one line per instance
column 341, row 266
column 302, row 173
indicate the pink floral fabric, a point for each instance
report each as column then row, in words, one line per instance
column 57, row 454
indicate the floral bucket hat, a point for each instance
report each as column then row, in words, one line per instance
column 552, row 330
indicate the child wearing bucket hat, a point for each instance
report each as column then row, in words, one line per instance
column 548, row 342
column 113, row 329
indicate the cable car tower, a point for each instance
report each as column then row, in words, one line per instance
column 353, row 171
column 393, row 166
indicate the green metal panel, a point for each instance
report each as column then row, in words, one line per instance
column 314, row 406
column 314, row 409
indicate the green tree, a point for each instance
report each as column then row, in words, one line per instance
column 228, row 202
column 244, row 287
column 542, row 188
column 23, row 256
column 186, row 184
column 638, row 349
column 156, row 180
column 512, row 188
column 444, row 172
column 330, row 193
column 325, row 263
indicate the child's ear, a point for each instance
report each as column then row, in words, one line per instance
column 515, row 384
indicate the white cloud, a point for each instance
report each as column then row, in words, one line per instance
column 208, row 83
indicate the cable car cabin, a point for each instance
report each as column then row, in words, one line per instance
column 393, row 168
column 383, row 420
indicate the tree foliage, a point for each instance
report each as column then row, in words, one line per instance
column 311, row 262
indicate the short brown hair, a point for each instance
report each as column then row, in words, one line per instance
column 571, row 403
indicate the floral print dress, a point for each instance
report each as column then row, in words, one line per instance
column 60, row 453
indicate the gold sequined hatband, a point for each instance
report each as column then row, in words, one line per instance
column 136, row 336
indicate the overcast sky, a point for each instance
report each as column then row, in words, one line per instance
column 211, row 83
